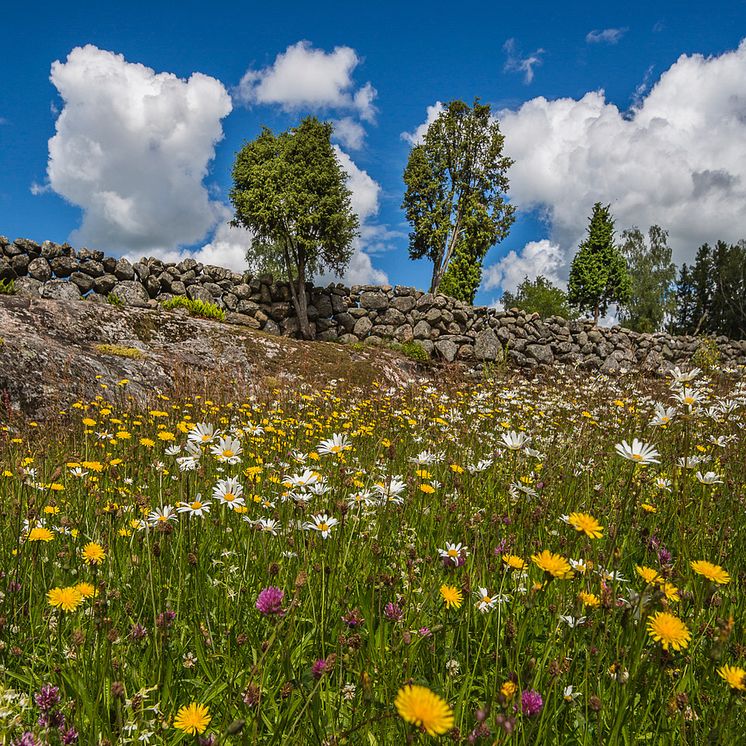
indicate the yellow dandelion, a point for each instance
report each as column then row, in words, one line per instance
column 424, row 709
column 589, row 599
column 669, row 590
column 669, row 631
column 87, row 590
column 67, row 599
column 715, row 573
column 511, row 560
column 734, row 676
column 452, row 596
column 39, row 533
column 193, row 719
column 554, row 564
column 586, row 524
column 428, row 489
column 508, row 689
column 648, row 574
column 93, row 553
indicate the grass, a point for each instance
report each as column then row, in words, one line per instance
column 119, row 350
column 8, row 287
column 366, row 509
column 198, row 308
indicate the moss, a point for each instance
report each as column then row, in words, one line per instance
column 119, row 351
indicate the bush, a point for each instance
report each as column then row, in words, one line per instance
column 8, row 287
column 195, row 307
column 707, row 355
column 412, row 350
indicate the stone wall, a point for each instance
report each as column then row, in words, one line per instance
column 443, row 327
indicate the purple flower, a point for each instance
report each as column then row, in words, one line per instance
column 269, row 601
column 47, row 697
column 501, row 548
column 393, row 613
column 138, row 632
column 424, row 631
column 353, row 619
column 531, row 702
column 319, row 668
column 27, row 739
column 165, row 619
column 69, row 736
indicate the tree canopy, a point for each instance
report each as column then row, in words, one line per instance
column 539, row 296
column 455, row 199
column 290, row 191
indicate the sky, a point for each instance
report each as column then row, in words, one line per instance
column 119, row 124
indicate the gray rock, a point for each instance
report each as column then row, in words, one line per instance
column 63, row 266
column 20, row 263
column 91, row 267
column 141, row 270
column 6, row 270
column 28, row 287
column 39, row 269
column 60, row 290
column 422, row 330
column 542, row 354
column 104, row 284
column 374, row 300
column 199, row 292
column 123, row 270
column 83, row 281
column 446, row 349
column 487, row 346
column 132, row 293
column 178, row 288
column 403, row 303
column 362, row 327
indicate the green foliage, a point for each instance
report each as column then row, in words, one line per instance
column 539, row 296
column 707, row 355
column 114, row 300
column 199, row 308
column 8, row 287
column 119, row 351
column 411, row 350
column 598, row 276
column 653, row 277
column 456, row 196
column 290, row 191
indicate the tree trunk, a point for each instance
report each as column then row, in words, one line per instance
column 298, row 292
column 595, row 315
column 440, row 270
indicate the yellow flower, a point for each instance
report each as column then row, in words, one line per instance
column 589, row 599
column 508, row 689
column 734, row 676
column 67, row 599
column 554, row 564
column 648, row 574
column 93, row 553
column 669, row 631
column 456, row 469
column 715, row 573
column 193, row 718
column 87, row 590
column 39, row 533
column 648, row 508
column 88, row 422
column 425, row 709
column 451, row 596
column 669, row 590
column 586, row 524
column 166, row 435
column 147, row 442
column 511, row 560
column 428, row 489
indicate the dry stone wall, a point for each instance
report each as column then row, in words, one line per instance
column 445, row 328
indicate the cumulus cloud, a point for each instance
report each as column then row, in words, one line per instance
column 605, row 36
column 515, row 63
column 349, row 132
column 302, row 77
column 536, row 258
column 132, row 148
column 418, row 135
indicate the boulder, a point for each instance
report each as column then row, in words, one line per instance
column 132, row 293
column 39, row 269
column 60, row 290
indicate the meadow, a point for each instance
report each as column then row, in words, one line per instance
column 504, row 561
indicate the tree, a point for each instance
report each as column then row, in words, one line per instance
column 539, row 296
column 728, row 305
column 290, row 191
column 703, row 290
column 598, row 275
column 456, row 196
column 653, row 277
column 683, row 322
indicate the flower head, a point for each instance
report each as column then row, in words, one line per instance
column 67, row 599
column 669, row 631
column 40, row 533
column 452, row 596
column 715, row 573
column 638, row 452
column 734, row 676
column 93, row 553
column 554, row 564
column 586, row 524
column 424, row 709
column 192, row 719
column 531, row 702
column 269, row 601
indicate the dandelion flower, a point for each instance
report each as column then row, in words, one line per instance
column 514, row 562
column 87, row 590
column 39, row 533
column 192, row 719
column 424, row 709
column 648, row 574
column 67, row 599
column 734, row 676
column 586, row 524
column 93, row 553
column 669, row 631
column 451, row 596
column 715, row 573
column 508, row 689
column 589, row 599
column 554, row 564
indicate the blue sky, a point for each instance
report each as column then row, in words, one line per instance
column 542, row 66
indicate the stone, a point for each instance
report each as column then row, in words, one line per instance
column 404, row 333
column 178, row 288
column 346, row 321
column 123, row 270
column 542, row 354
column 91, row 267
column 422, row 330
column 487, row 346
column 153, row 285
column 60, row 290
column 199, row 292
column 104, row 284
column 447, row 349
column 132, row 293
column 39, row 269
column 6, row 270
column 84, row 282
column 362, row 327
column 141, row 270
column 403, row 303
column 323, row 305
column 373, row 300
column 19, row 264
column 28, row 287
column 63, row 266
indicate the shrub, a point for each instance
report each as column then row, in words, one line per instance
column 707, row 355
column 199, row 308
column 8, row 287
column 411, row 350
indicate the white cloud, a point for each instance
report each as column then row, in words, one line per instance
column 302, row 77
column 605, row 36
column 536, row 258
column 349, row 132
column 132, row 148
column 418, row 135
column 516, row 63
column 365, row 190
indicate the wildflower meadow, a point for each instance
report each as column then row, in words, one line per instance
column 557, row 561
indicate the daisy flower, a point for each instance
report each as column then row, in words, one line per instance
column 321, row 523
column 485, row 601
column 514, row 440
column 227, row 450
column 638, row 452
column 228, row 492
column 197, row 507
column 455, row 553
column 164, row 514
column 201, row 433
column 335, row 445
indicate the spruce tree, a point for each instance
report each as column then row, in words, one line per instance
column 598, row 275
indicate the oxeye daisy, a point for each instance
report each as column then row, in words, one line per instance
column 715, row 573
column 197, row 507
column 228, row 492
column 424, row 709
column 193, row 719
column 638, row 452
column 669, row 631
column 452, row 596
column 335, row 445
column 321, row 523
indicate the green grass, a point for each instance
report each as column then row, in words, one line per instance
column 174, row 617
column 198, row 308
column 8, row 287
